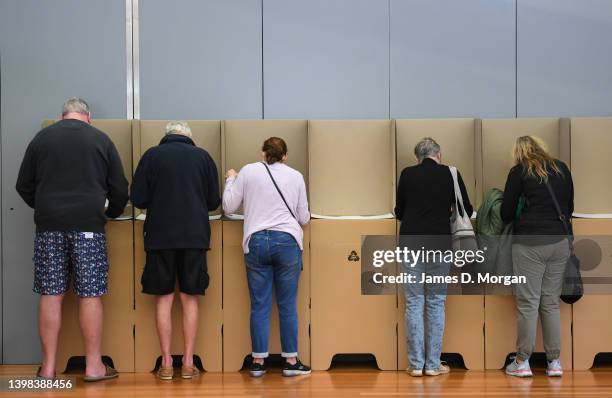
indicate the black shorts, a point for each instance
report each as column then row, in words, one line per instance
column 164, row 267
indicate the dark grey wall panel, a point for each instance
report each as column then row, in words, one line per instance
column 452, row 58
column 50, row 50
column 200, row 59
column 326, row 59
column 564, row 58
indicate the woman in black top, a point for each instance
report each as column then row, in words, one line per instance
column 425, row 194
column 540, row 249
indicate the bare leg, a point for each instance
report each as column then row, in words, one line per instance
column 190, row 326
column 49, row 324
column 164, row 327
column 91, row 317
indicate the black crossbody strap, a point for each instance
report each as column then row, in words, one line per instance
column 278, row 189
column 561, row 215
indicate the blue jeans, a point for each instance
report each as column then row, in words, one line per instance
column 274, row 258
column 425, row 315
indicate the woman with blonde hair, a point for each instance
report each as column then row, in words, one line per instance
column 539, row 248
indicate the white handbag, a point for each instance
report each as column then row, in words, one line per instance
column 463, row 236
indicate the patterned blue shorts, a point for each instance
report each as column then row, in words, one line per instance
column 62, row 256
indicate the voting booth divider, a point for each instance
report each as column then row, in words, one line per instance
column 592, row 325
column 118, row 338
column 459, row 141
column 591, row 141
column 498, row 137
column 344, row 162
column 236, row 303
column 206, row 134
column 343, row 320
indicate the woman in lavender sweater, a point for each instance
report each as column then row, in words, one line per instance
column 272, row 244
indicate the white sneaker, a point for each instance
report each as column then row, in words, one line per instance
column 554, row 368
column 442, row 369
column 519, row 369
column 415, row 372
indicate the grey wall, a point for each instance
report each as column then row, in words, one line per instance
column 200, row 59
column 214, row 59
column 334, row 55
column 564, row 57
column 452, row 58
column 50, row 50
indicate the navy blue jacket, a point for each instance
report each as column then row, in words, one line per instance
column 177, row 183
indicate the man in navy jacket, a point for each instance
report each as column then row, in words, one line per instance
column 178, row 184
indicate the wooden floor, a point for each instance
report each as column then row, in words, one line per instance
column 337, row 383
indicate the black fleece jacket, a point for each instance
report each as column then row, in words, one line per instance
column 178, row 184
column 68, row 171
column 539, row 216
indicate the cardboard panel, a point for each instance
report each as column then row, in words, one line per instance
column 591, row 325
column 343, row 320
column 462, row 333
column 498, row 138
column 120, row 132
column 591, row 141
column 348, row 161
column 118, row 339
column 206, row 135
column 209, row 339
column 242, row 141
column 237, row 304
column 457, row 143
column 500, row 332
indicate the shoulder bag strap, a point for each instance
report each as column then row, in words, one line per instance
column 278, row 189
column 560, row 215
column 457, row 189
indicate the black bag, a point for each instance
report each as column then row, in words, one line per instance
column 573, row 289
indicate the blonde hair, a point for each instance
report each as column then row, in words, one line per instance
column 530, row 152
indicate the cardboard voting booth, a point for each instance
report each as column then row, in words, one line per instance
column 343, row 320
column 592, row 325
column 209, row 338
column 352, row 167
column 206, row 135
column 243, row 139
column 118, row 339
column 591, row 142
column 120, row 132
column 499, row 136
column 500, row 331
column 237, row 304
column 458, row 145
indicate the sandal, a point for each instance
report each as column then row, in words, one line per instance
column 41, row 377
column 109, row 374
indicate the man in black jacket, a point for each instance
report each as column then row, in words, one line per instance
column 69, row 170
column 178, row 184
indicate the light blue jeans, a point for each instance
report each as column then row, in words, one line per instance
column 425, row 315
column 274, row 261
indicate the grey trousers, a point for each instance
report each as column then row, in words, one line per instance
column 544, row 268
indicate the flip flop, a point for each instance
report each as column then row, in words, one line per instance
column 109, row 374
column 41, row 377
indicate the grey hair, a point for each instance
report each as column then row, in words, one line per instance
column 178, row 127
column 425, row 148
column 75, row 104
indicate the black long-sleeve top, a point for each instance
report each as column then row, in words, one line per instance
column 539, row 216
column 68, row 171
column 178, row 184
column 425, row 194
